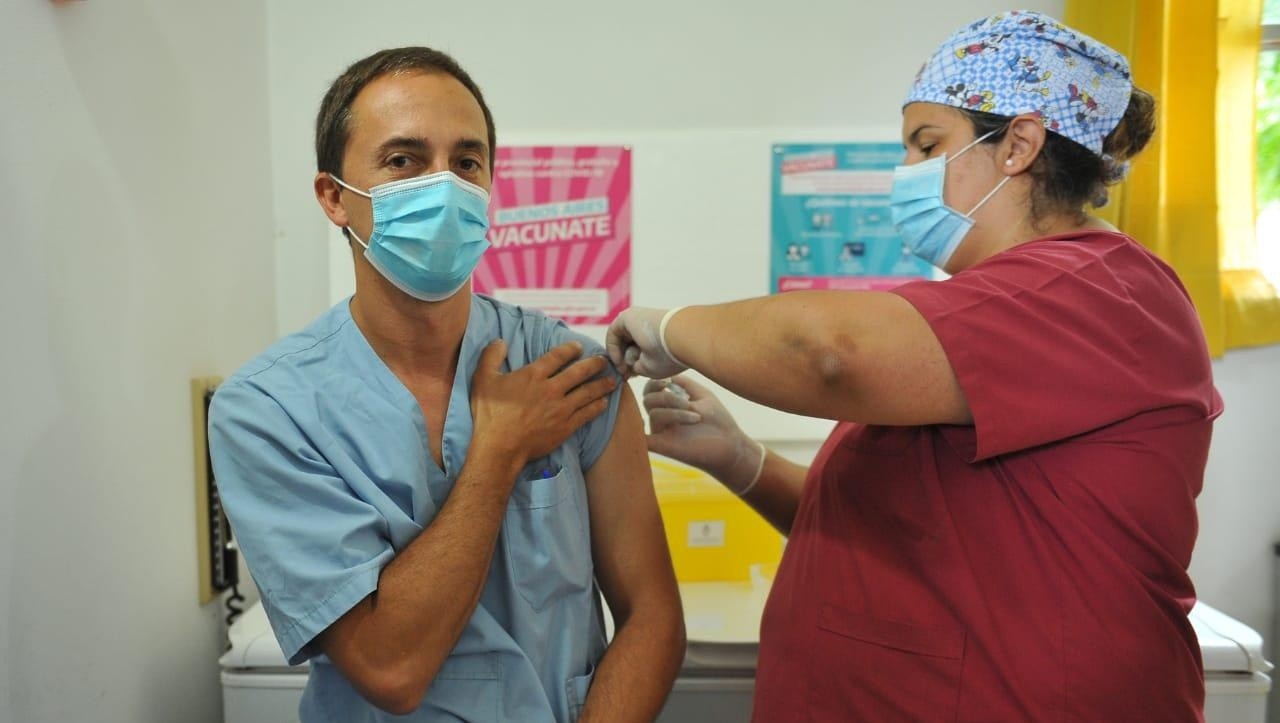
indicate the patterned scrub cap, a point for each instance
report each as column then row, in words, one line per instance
column 1025, row 62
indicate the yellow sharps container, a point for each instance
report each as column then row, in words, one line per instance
column 713, row 535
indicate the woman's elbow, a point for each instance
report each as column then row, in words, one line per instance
column 833, row 362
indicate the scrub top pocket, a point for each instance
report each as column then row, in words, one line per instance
column 548, row 544
column 467, row 687
column 861, row 662
column 576, row 690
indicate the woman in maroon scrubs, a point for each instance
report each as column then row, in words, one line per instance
column 1000, row 525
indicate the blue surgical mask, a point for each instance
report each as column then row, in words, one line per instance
column 428, row 233
column 928, row 226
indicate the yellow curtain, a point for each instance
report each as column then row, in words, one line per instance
column 1190, row 195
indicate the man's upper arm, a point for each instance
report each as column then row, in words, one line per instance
column 593, row 437
column 628, row 544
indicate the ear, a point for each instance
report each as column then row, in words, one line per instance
column 1022, row 144
column 329, row 194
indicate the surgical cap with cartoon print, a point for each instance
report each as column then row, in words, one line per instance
column 1024, row 62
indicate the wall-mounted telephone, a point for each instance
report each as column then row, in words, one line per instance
column 218, row 562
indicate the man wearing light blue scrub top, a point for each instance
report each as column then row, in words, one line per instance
column 429, row 485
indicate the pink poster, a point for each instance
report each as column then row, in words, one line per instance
column 560, row 229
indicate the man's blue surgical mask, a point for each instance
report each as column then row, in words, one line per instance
column 928, row 226
column 428, row 232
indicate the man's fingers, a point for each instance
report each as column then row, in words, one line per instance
column 553, row 361
column 586, row 393
column 579, row 372
column 589, row 412
column 492, row 357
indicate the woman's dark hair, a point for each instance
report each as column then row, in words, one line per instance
column 1067, row 174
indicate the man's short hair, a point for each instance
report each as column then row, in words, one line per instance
column 333, row 122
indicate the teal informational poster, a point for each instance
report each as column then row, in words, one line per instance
column 831, row 227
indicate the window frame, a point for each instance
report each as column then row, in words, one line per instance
column 1251, row 304
column 1270, row 39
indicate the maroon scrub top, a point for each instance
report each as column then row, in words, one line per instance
column 1031, row 566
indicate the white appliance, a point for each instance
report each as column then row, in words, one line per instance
column 717, row 679
column 258, row 684
column 716, row 682
column 1235, row 673
column 719, row 669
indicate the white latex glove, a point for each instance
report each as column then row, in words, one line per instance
column 687, row 423
column 635, row 343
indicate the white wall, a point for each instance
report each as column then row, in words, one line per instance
column 1240, row 505
column 137, row 222
column 700, row 91
column 595, row 71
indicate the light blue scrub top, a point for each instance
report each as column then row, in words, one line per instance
column 323, row 467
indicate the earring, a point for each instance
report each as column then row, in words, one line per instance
column 1008, row 161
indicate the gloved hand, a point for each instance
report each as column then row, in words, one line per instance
column 687, row 423
column 635, row 343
